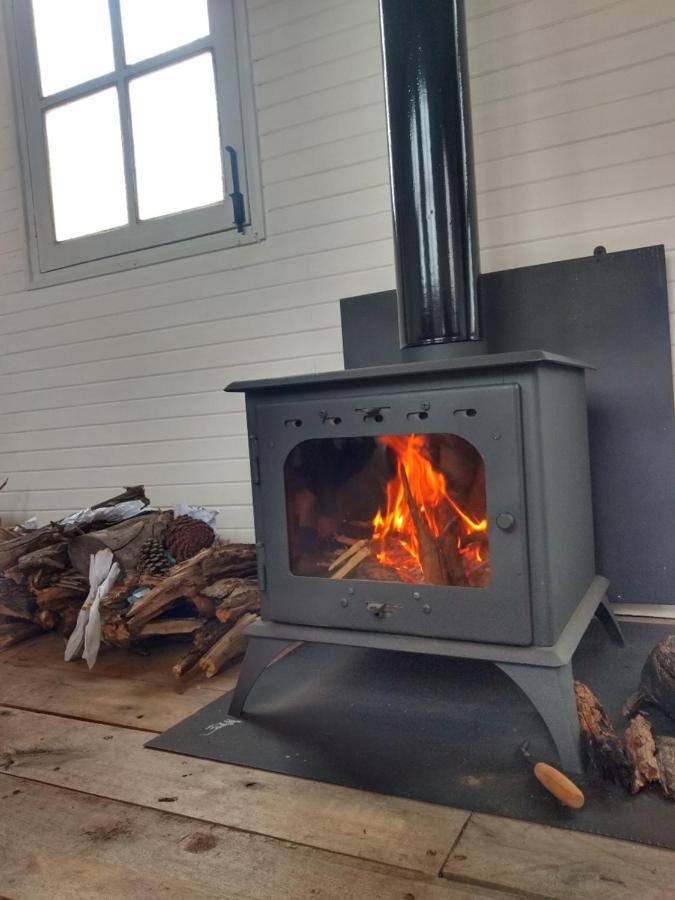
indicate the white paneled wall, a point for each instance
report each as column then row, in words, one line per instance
column 117, row 379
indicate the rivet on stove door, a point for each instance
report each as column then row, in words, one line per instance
column 426, row 608
column 416, row 595
column 506, row 521
column 344, row 601
column 350, row 590
column 496, row 435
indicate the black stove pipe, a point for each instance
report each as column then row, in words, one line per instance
column 431, row 165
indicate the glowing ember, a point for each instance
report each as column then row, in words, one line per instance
column 456, row 531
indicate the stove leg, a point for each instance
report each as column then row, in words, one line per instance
column 610, row 622
column 551, row 690
column 260, row 653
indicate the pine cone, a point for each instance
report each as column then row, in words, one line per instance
column 152, row 559
column 186, row 536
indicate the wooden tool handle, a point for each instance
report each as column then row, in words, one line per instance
column 559, row 785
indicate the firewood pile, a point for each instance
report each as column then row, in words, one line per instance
column 641, row 756
column 177, row 580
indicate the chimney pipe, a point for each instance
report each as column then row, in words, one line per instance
column 431, row 165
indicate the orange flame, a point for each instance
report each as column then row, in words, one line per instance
column 394, row 529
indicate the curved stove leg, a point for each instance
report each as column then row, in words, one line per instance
column 551, row 690
column 260, row 653
column 610, row 623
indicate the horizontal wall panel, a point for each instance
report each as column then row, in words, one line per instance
column 119, row 379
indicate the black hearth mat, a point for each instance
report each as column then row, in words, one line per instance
column 441, row 730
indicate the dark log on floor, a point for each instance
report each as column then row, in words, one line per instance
column 657, row 680
column 601, row 746
column 16, row 600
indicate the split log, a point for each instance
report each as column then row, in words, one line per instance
column 665, row 755
column 641, row 752
column 11, row 550
column 53, row 556
column 229, row 647
column 657, row 680
column 232, row 613
column 187, row 662
column 601, row 747
column 208, row 634
column 172, row 627
column 124, row 540
column 190, row 577
column 352, row 562
column 431, row 556
column 16, row 600
column 223, row 587
column 14, row 631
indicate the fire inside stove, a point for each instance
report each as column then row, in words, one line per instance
column 408, row 507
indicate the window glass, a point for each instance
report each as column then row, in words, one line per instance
column 86, row 165
column 154, row 26
column 176, row 140
column 74, row 42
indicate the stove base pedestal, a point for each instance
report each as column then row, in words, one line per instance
column 544, row 674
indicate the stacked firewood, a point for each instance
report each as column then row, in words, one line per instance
column 211, row 597
column 177, row 580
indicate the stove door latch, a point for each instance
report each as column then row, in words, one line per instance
column 380, row 610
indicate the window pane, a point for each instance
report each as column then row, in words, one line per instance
column 74, row 42
column 154, row 26
column 86, row 165
column 176, row 139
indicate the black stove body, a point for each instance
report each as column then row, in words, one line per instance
column 457, row 482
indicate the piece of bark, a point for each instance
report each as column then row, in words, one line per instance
column 223, row 587
column 657, row 680
column 431, row 557
column 641, row 753
column 189, row 578
column 47, row 619
column 53, row 556
column 187, row 662
column 124, row 540
column 14, row 632
column 601, row 747
column 162, row 627
column 205, row 606
column 137, row 492
column 231, row 645
column 116, row 631
column 665, row 756
column 16, row 600
column 235, row 611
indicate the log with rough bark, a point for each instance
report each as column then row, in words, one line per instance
column 137, row 492
column 170, row 627
column 641, row 752
column 11, row 550
column 16, row 600
column 124, row 539
column 602, row 748
column 665, row 755
column 187, row 662
column 657, row 680
column 189, row 578
column 227, row 648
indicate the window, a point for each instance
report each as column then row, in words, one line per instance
column 137, row 133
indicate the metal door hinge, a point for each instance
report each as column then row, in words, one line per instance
column 262, row 568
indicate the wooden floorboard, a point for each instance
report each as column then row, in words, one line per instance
column 57, row 844
column 275, row 836
column 112, row 762
column 552, row 862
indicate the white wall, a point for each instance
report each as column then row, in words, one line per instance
column 117, row 380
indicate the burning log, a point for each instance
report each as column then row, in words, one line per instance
column 431, row 555
column 602, row 748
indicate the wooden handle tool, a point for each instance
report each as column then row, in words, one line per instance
column 562, row 787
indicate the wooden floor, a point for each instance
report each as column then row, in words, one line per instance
column 87, row 812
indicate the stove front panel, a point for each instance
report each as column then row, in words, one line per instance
column 402, row 512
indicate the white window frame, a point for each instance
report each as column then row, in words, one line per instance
column 139, row 242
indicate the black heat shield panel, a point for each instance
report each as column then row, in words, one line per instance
column 611, row 311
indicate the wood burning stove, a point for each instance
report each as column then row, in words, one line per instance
column 441, row 505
